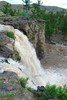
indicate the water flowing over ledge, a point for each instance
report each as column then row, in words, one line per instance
column 29, row 65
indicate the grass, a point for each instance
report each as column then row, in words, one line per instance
column 7, row 95
column 12, row 82
column 1, row 13
column 11, row 35
column 1, row 82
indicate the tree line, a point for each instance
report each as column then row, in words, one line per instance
column 56, row 22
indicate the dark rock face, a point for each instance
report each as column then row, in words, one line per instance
column 6, row 45
column 41, row 88
column 35, row 31
column 5, row 52
column 10, row 84
column 3, row 38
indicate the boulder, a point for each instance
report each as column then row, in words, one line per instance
column 6, row 45
column 41, row 88
column 10, row 85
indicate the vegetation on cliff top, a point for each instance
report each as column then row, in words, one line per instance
column 56, row 23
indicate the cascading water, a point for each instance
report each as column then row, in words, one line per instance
column 29, row 65
column 28, row 56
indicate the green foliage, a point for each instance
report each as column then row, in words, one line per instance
column 31, row 89
column 12, row 82
column 20, row 13
column 7, row 95
column 50, row 92
column 55, row 22
column 11, row 35
column 21, row 90
column 35, row 12
column 7, row 10
column 18, row 58
column 26, row 4
column 23, row 82
column 12, row 12
column 1, row 82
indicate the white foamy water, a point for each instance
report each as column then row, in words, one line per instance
column 56, row 76
column 30, row 65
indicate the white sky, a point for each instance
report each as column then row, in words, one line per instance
column 59, row 3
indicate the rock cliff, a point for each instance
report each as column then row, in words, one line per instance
column 6, row 45
column 34, row 29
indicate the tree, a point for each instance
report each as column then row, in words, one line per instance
column 26, row 6
column 6, row 8
column 36, row 11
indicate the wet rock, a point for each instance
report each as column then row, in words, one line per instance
column 6, row 45
column 5, row 52
column 34, row 29
column 41, row 88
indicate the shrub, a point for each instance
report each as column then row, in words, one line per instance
column 23, row 82
column 50, row 92
column 12, row 12
column 11, row 35
column 19, row 13
column 18, row 58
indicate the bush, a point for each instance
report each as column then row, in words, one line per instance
column 50, row 92
column 8, row 10
column 19, row 13
column 23, row 82
column 12, row 12
column 18, row 58
column 11, row 35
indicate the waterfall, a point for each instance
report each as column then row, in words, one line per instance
column 30, row 65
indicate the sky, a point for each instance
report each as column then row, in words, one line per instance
column 59, row 3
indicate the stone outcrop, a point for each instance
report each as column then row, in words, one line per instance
column 57, row 38
column 10, row 88
column 6, row 45
column 34, row 29
column 55, row 55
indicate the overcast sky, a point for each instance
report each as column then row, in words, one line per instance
column 59, row 3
